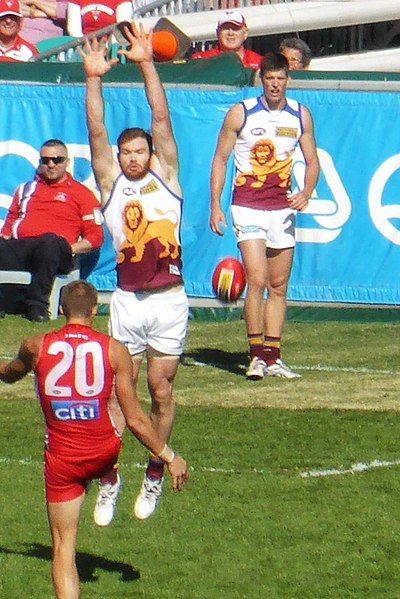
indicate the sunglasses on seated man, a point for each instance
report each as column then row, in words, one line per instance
column 55, row 159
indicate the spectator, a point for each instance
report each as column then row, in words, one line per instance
column 232, row 33
column 13, row 48
column 81, row 439
column 50, row 220
column 43, row 19
column 296, row 52
column 84, row 17
column 263, row 134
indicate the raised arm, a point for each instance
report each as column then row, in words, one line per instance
column 137, row 421
column 103, row 164
column 299, row 201
column 226, row 142
column 165, row 159
column 17, row 368
column 74, row 20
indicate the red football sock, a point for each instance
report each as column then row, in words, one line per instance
column 110, row 477
column 155, row 468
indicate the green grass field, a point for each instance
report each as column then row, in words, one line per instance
column 294, row 489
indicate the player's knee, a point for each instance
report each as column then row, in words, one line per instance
column 277, row 288
column 256, row 281
column 161, row 395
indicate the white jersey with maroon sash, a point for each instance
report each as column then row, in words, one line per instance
column 264, row 154
column 143, row 218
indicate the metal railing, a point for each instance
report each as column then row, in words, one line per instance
column 67, row 52
column 325, row 39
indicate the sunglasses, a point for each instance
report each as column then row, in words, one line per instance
column 55, row 159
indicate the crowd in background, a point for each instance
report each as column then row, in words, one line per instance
column 25, row 24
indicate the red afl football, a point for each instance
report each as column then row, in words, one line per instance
column 229, row 280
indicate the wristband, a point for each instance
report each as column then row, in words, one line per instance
column 166, row 455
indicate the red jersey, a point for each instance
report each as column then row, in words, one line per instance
column 96, row 15
column 74, row 379
column 67, row 209
column 20, row 51
column 250, row 59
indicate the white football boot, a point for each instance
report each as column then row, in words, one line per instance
column 148, row 498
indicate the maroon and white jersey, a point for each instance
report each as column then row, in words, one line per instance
column 74, row 379
column 264, row 154
column 143, row 218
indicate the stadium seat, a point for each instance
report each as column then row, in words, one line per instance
column 70, row 55
column 53, row 42
column 22, row 277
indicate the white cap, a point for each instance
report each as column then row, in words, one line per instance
column 232, row 16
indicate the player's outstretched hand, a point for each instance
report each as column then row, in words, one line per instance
column 140, row 49
column 94, row 57
column 179, row 473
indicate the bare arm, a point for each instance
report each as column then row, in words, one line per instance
column 165, row 158
column 124, row 12
column 95, row 65
column 16, row 369
column 41, row 8
column 74, row 20
column 226, row 142
column 299, row 201
column 137, row 421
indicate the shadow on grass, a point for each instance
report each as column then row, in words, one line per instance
column 216, row 358
column 87, row 563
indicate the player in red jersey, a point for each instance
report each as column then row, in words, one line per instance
column 75, row 369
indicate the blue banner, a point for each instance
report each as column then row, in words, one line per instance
column 348, row 241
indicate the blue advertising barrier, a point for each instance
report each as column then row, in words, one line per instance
column 348, row 241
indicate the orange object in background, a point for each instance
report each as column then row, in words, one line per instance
column 165, row 46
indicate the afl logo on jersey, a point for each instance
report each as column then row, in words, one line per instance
column 128, row 191
column 69, row 411
column 258, row 131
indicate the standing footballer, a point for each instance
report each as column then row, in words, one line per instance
column 263, row 134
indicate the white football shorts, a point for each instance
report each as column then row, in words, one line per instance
column 156, row 320
column 276, row 227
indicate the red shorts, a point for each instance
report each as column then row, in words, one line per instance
column 66, row 479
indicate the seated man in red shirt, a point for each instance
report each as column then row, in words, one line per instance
column 12, row 47
column 50, row 219
column 232, row 32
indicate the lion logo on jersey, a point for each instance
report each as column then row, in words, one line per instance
column 264, row 163
column 139, row 231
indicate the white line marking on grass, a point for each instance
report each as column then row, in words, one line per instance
column 346, row 369
column 354, row 469
column 316, row 367
column 138, row 466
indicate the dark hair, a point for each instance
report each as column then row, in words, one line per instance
column 78, row 299
column 50, row 143
column 274, row 61
column 296, row 43
column 134, row 133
